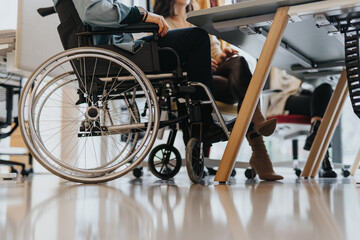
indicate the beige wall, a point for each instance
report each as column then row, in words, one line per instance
column 8, row 14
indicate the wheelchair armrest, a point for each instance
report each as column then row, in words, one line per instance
column 131, row 28
column 46, row 11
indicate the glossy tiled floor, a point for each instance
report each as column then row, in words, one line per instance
column 46, row 207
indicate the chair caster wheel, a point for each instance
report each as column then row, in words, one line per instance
column 138, row 172
column 13, row 170
column 297, row 172
column 250, row 173
column 211, row 171
column 345, row 172
column 25, row 172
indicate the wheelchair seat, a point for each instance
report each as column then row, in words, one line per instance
column 73, row 33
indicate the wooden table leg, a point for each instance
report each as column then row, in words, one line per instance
column 252, row 95
column 335, row 105
column 329, row 135
column 355, row 165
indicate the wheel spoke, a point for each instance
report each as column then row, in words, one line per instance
column 161, row 169
column 171, row 165
column 60, row 108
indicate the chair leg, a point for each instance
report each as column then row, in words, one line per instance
column 355, row 165
column 295, row 153
column 295, row 149
column 327, row 126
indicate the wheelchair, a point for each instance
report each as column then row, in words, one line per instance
column 91, row 114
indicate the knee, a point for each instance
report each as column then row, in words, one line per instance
column 324, row 88
column 200, row 35
column 244, row 73
column 243, row 61
column 245, row 66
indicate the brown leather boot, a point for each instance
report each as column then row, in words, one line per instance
column 260, row 159
column 262, row 126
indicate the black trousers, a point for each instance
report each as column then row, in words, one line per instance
column 193, row 47
column 236, row 76
column 310, row 104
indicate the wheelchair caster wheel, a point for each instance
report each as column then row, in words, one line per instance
column 345, row 172
column 138, row 172
column 250, row 173
column 297, row 172
column 164, row 161
column 194, row 160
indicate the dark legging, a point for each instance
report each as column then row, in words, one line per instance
column 236, row 76
column 193, row 48
column 310, row 104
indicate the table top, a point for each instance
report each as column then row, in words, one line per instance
column 312, row 46
column 240, row 10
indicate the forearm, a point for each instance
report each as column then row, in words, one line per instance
column 106, row 13
column 111, row 13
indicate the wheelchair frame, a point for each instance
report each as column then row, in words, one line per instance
column 98, row 109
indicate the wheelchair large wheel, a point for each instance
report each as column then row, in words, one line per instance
column 164, row 161
column 194, row 160
column 82, row 112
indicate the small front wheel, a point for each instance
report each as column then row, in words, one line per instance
column 164, row 161
column 138, row 172
column 194, row 160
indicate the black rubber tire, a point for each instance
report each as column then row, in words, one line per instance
column 25, row 172
column 138, row 172
column 194, row 160
column 297, row 172
column 345, row 173
column 250, row 173
column 171, row 169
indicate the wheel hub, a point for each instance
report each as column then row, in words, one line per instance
column 92, row 113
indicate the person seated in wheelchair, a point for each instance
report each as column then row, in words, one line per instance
column 230, row 84
column 297, row 99
column 193, row 47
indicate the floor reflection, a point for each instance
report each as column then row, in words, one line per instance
column 46, row 208
column 83, row 212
